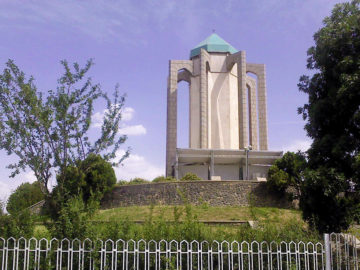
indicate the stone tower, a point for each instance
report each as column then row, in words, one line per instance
column 227, row 114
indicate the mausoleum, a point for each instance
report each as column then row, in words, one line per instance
column 228, row 128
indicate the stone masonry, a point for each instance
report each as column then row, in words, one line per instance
column 214, row 193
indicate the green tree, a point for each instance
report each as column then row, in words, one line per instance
column 288, row 172
column 24, row 196
column 333, row 116
column 92, row 177
column 49, row 132
column 72, row 204
column 322, row 203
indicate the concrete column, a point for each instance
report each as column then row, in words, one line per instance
column 171, row 130
column 212, row 168
column 262, row 99
column 171, row 127
column 239, row 58
column 243, row 111
column 176, row 167
column 253, row 128
column 204, row 58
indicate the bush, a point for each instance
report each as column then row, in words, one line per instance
column 190, row 177
column 91, row 178
column 73, row 220
column 24, row 196
column 20, row 224
column 78, row 195
column 162, row 178
column 287, row 172
column 122, row 183
column 137, row 180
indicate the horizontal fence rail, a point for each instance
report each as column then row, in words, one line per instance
column 75, row 254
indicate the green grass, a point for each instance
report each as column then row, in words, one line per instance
column 273, row 224
column 203, row 213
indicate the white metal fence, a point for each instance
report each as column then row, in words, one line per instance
column 337, row 252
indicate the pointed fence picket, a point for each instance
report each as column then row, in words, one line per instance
column 338, row 251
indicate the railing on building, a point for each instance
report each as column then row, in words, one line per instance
column 338, row 251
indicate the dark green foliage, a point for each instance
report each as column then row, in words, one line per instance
column 78, row 195
column 332, row 110
column 92, row 177
column 162, row 178
column 50, row 134
column 138, row 180
column 287, row 172
column 333, row 120
column 73, row 219
column 122, row 182
column 326, row 201
column 24, row 196
column 190, row 177
column 20, row 224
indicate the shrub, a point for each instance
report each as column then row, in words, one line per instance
column 137, row 180
column 73, row 219
column 122, row 183
column 162, row 178
column 78, row 195
column 20, row 224
column 190, row 177
column 24, row 196
column 287, row 173
column 91, row 178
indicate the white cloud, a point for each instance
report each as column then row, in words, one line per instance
column 9, row 185
column 132, row 130
column 29, row 177
column 137, row 166
column 302, row 145
column 127, row 114
column 97, row 119
column 5, row 191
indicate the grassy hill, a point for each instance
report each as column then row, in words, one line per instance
column 177, row 222
column 203, row 213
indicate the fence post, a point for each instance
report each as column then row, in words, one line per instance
column 327, row 251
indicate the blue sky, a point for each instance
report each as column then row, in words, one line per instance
column 131, row 43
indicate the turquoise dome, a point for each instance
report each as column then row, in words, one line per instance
column 213, row 43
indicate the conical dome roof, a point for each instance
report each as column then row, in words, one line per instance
column 213, row 43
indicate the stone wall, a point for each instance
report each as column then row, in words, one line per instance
column 214, row 193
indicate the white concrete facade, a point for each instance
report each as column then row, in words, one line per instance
column 227, row 111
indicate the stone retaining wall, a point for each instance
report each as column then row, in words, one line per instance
column 214, row 193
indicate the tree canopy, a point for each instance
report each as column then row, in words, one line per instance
column 49, row 131
column 288, row 172
column 332, row 111
column 24, row 196
column 333, row 120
